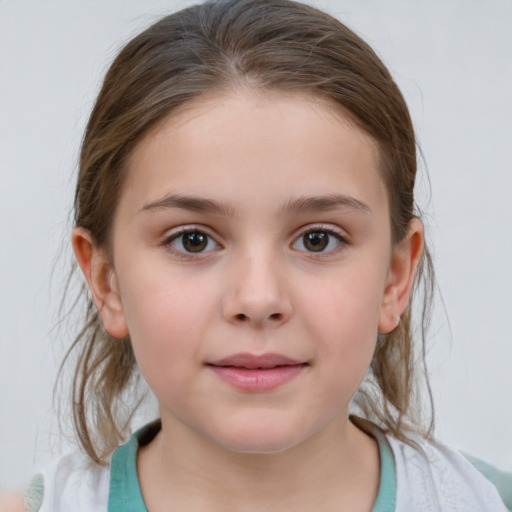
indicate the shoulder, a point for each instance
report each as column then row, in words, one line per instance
column 73, row 482
column 434, row 477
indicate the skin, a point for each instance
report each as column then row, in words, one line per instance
column 256, row 288
column 12, row 503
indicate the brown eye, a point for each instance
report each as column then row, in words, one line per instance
column 316, row 241
column 319, row 241
column 193, row 242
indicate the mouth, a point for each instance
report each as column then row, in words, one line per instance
column 257, row 373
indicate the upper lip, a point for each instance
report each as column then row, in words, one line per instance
column 253, row 361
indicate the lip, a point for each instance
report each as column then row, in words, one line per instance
column 257, row 373
column 253, row 361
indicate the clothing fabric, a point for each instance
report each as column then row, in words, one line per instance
column 429, row 478
column 502, row 480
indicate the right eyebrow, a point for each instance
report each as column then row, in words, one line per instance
column 192, row 203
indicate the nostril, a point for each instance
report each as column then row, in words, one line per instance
column 242, row 317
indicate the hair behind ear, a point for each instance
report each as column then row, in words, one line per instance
column 390, row 394
column 105, row 379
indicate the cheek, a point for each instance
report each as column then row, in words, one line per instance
column 167, row 319
column 345, row 306
column 344, row 321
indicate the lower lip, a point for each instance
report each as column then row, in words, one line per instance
column 258, row 379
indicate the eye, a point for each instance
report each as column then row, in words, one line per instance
column 192, row 241
column 318, row 241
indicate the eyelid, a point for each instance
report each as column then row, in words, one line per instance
column 321, row 226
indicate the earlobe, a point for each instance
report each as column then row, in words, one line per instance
column 102, row 282
column 402, row 269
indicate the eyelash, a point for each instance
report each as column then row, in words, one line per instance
column 203, row 237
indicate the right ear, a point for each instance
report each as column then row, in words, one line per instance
column 102, row 281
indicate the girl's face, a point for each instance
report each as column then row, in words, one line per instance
column 253, row 267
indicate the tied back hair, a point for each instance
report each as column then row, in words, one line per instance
column 216, row 47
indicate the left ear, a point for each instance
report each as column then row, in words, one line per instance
column 402, row 268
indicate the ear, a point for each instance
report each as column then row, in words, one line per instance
column 102, row 281
column 402, row 268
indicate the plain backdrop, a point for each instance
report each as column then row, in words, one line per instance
column 453, row 62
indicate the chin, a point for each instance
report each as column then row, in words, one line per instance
column 262, row 439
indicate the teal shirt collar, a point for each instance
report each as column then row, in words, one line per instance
column 125, row 494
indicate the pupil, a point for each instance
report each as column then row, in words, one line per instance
column 195, row 242
column 316, row 241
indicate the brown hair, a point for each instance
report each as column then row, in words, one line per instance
column 215, row 46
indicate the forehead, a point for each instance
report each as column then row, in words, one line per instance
column 243, row 142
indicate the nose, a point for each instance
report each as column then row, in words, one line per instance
column 258, row 294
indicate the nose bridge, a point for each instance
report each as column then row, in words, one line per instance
column 258, row 293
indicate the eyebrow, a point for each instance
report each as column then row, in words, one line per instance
column 294, row 206
column 195, row 204
column 326, row 203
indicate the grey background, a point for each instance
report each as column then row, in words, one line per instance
column 453, row 61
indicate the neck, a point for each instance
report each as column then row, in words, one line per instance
column 337, row 468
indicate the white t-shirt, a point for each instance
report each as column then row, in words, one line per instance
column 432, row 479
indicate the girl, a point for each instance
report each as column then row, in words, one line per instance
column 245, row 222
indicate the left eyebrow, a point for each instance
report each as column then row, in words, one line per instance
column 192, row 203
column 325, row 203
